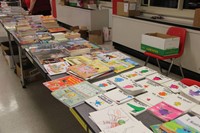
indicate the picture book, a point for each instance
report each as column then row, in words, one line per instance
column 155, row 128
column 132, row 75
column 57, row 29
column 62, row 82
column 192, row 93
column 112, row 117
column 158, row 78
column 165, row 111
column 111, row 56
column 145, row 71
column 118, row 96
column 117, row 79
column 100, row 102
column 105, row 85
column 183, row 124
column 129, row 128
column 149, row 85
column 131, row 61
column 44, row 36
column 180, row 102
column 119, row 65
column 68, row 96
column 134, row 107
column 56, row 68
column 195, row 110
column 175, row 86
column 83, row 70
column 75, row 60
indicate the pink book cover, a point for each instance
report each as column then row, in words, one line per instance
column 165, row 111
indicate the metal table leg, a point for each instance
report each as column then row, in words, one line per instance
column 21, row 67
column 11, row 51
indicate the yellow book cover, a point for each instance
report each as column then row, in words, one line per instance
column 119, row 65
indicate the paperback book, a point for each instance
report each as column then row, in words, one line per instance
column 56, row 68
column 158, row 78
column 149, row 85
column 132, row 75
column 119, row 65
column 175, row 86
column 145, row 71
column 105, row 85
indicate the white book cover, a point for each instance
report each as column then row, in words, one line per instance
column 129, row 128
column 145, row 71
column 131, row 87
column 195, row 110
column 56, row 68
column 111, row 117
column 133, row 75
column 149, row 85
column 116, row 55
column 100, row 102
column 117, row 79
column 134, row 107
column 158, row 78
column 180, row 102
column 105, row 85
column 175, row 86
column 192, row 92
column 118, row 96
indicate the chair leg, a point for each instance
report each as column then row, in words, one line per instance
column 147, row 60
column 172, row 62
column 159, row 65
column 180, row 66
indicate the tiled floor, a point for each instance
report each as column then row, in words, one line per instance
column 34, row 110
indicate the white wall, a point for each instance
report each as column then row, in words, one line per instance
column 128, row 31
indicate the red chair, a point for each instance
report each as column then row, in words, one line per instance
column 175, row 31
column 190, row 82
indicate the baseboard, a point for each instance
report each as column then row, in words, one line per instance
column 175, row 69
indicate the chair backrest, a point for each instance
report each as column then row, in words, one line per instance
column 180, row 32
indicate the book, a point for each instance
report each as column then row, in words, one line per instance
column 180, row 102
column 149, row 85
column 75, row 60
column 105, row 85
column 132, row 75
column 175, row 86
column 165, row 111
column 155, row 128
column 100, row 102
column 100, row 66
column 158, row 78
column 131, row 61
column 112, row 117
column 117, row 79
column 195, row 110
column 62, row 82
column 44, row 36
column 56, row 68
column 134, row 107
column 118, row 96
column 119, row 65
column 145, row 71
column 192, row 93
column 57, row 29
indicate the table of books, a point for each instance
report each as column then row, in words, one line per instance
column 105, row 90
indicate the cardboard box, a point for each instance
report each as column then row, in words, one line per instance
column 160, row 44
column 127, row 9
column 196, row 21
column 8, row 58
column 96, row 37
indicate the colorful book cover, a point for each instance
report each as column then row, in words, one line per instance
column 112, row 117
column 111, row 56
column 100, row 102
column 155, row 128
column 131, row 61
column 105, row 85
column 180, row 102
column 145, row 71
column 62, row 82
column 76, row 60
column 165, row 111
column 56, row 68
column 132, row 75
column 158, row 78
column 175, row 86
column 117, row 79
column 119, row 65
column 100, row 66
column 149, row 85
column 118, row 96
column 134, row 107
column 83, row 70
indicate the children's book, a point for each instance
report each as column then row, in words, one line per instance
column 149, row 85
column 145, row 71
column 134, row 107
column 195, row 110
column 117, row 79
column 155, row 128
column 100, row 102
column 175, row 86
column 75, row 60
column 105, row 85
column 165, row 111
column 192, row 93
column 180, row 102
column 158, row 78
column 119, row 65
column 111, row 117
column 131, row 61
column 118, row 96
column 132, row 75
column 56, row 68
column 111, row 56
column 62, row 82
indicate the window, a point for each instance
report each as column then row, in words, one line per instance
column 164, row 3
column 191, row 4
